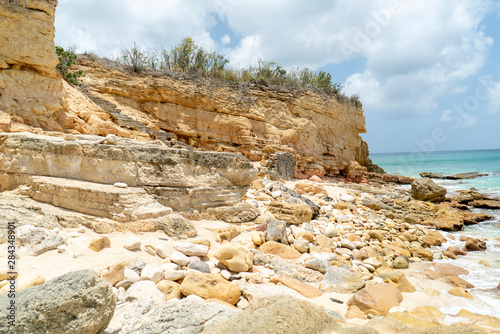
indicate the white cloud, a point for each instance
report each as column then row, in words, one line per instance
column 458, row 119
column 225, row 40
column 414, row 52
column 494, row 98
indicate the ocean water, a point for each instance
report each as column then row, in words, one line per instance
column 484, row 278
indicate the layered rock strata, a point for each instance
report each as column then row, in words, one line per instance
column 321, row 130
column 163, row 172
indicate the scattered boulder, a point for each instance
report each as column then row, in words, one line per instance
column 398, row 279
column 338, row 279
column 37, row 240
column 234, row 257
column 278, row 314
column 99, row 243
column 276, row 231
column 292, row 213
column 425, row 189
column 240, row 213
column 210, row 286
column 171, row 290
column 115, row 273
column 190, row 249
column 379, row 297
column 400, row 262
column 77, row 302
column 460, row 292
column 282, row 165
column 307, row 290
column 310, row 187
column 200, row 266
column 485, row 204
column 473, row 244
column 283, row 251
column 145, row 291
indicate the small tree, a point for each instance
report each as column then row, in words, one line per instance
column 136, row 58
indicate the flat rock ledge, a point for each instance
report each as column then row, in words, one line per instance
column 177, row 178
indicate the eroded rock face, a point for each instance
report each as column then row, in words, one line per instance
column 162, row 171
column 252, row 119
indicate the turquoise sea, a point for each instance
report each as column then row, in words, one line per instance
column 484, row 278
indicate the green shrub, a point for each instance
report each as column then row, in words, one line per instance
column 66, row 59
column 187, row 57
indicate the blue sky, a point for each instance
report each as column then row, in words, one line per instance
column 427, row 71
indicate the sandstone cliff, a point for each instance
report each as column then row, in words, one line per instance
column 33, row 97
column 322, row 131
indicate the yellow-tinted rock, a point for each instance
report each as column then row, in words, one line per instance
column 283, row 251
column 169, row 289
column 304, row 289
column 234, row 257
column 460, row 292
column 354, row 312
column 379, row 297
column 210, row 286
column 399, row 280
column 114, row 274
column 99, row 243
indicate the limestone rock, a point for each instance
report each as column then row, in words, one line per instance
column 304, row 289
column 190, row 249
column 424, row 189
column 276, row 231
column 283, row 251
column 239, row 213
column 145, row 291
column 485, row 204
column 278, row 314
column 338, row 279
column 212, row 178
column 77, row 302
column 37, row 240
column 301, row 244
column 282, row 165
column 170, row 290
column 179, row 258
column 380, row 297
column 132, row 243
column 234, row 257
column 151, row 272
column 188, row 315
column 400, row 263
column 200, row 266
column 99, row 243
column 473, row 244
column 460, row 292
column 115, row 273
column 292, row 213
column 399, row 280
column 210, row 286
column 308, row 187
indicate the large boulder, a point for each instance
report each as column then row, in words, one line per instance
column 239, row 213
column 278, row 314
column 425, row 189
column 474, row 244
column 77, row 302
column 190, row 315
column 379, row 297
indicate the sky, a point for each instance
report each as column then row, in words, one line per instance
column 427, row 71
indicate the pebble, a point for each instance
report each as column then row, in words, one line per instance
column 149, row 249
column 62, row 249
column 200, row 266
column 73, row 234
column 151, row 272
column 191, row 249
column 81, row 230
column 111, row 139
column 179, row 258
column 226, row 274
column 162, row 251
column 173, row 275
column 132, row 243
column 120, row 185
column 347, row 244
column 330, row 231
column 131, row 275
